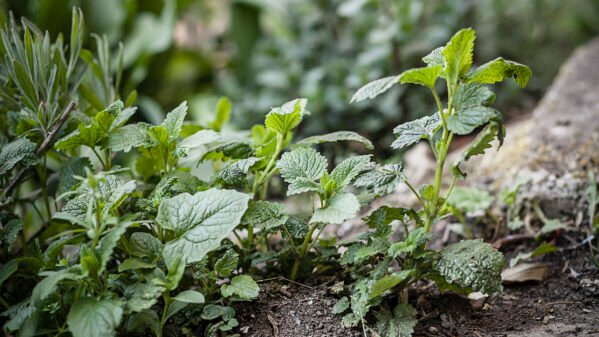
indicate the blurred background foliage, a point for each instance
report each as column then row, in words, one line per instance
column 261, row 53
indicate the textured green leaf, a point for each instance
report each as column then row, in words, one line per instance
column 399, row 323
column 286, row 117
column 337, row 137
column 144, row 320
column 90, row 317
column 173, row 123
column 200, row 221
column 389, row 281
column 202, row 137
column 302, row 185
column 435, row 57
column 107, row 244
column 498, row 70
column 8, row 269
column 145, row 245
column 134, row 263
column 128, row 137
column 413, row 131
column 176, row 269
column 225, row 266
column 223, row 113
column 374, row 88
column 468, row 199
column 426, row 76
column 302, row 163
column 242, row 287
column 20, row 151
column 190, row 296
column 9, row 234
column 478, row 146
column 235, row 173
column 349, row 169
column 471, row 264
column 341, row 207
column 265, row 215
column 382, row 179
column 66, row 175
column 415, row 239
column 341, row 306
column 458, row 54
column 471, row 95
column 141, row 296
column 48, row 284
column 464, row 122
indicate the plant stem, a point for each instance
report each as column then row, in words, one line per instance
column 420, row 200
column 302, row 251
column 167, row 302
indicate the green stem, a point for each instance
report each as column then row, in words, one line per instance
column 302, row 251
column 167, row 302
column 99, row 158
column 420, row 200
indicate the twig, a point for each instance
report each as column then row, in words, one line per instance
column 512, row 239
column 274, row 324
column 285, row 279
column 559, row 302
column 46, row 144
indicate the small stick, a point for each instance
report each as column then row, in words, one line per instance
column 274, row 324
column 285, row 279
column 512, row 239
column 46, row 144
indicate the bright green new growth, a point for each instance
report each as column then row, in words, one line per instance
column 469, row 265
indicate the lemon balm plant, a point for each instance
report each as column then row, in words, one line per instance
column 467, row 266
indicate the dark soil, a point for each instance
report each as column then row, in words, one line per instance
column 565, row 304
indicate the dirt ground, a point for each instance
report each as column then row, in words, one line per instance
column 565, row 304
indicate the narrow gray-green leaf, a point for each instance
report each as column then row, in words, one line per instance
column 411, row 132
column 374, row 88
column 336, row 137
column 344, row 173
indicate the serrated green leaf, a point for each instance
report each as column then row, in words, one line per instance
column 468, row 199
column 145, row 245
column 8, row 269
column 9, row 234
column 382, row 179
column 173, row 123
column 478, row 146
column 265, row 215
column 400, row 323
column 20, row 151
column 66, row 175
column 341, row 207
column 426, row 76
column 128, row 137
column 471, row 264
column 235, row 173
column 458, row 54
column 374, row 88
column 413, row 131
column 415, row 239
column 190, row 296
column 107, row 244
column 287, row 117
column 304, row 163
column 302, row 185
column 242, row 287
column 435, row 57
column 200, row 221
column 90, row 317
column 144, row 320
column 341, row 306
column 499, row 69
column 225, row 266
column 337, row 137
column 48, row 284
column 349, row 169
column 464, row 122
column 471, row 95
column 202, row 137
column 387, row 282
column 134, row 263
column 223, row 113
column 142, row 296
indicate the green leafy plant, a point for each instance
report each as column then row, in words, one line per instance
column 467, row 266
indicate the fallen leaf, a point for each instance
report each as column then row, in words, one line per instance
column 525, row 272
